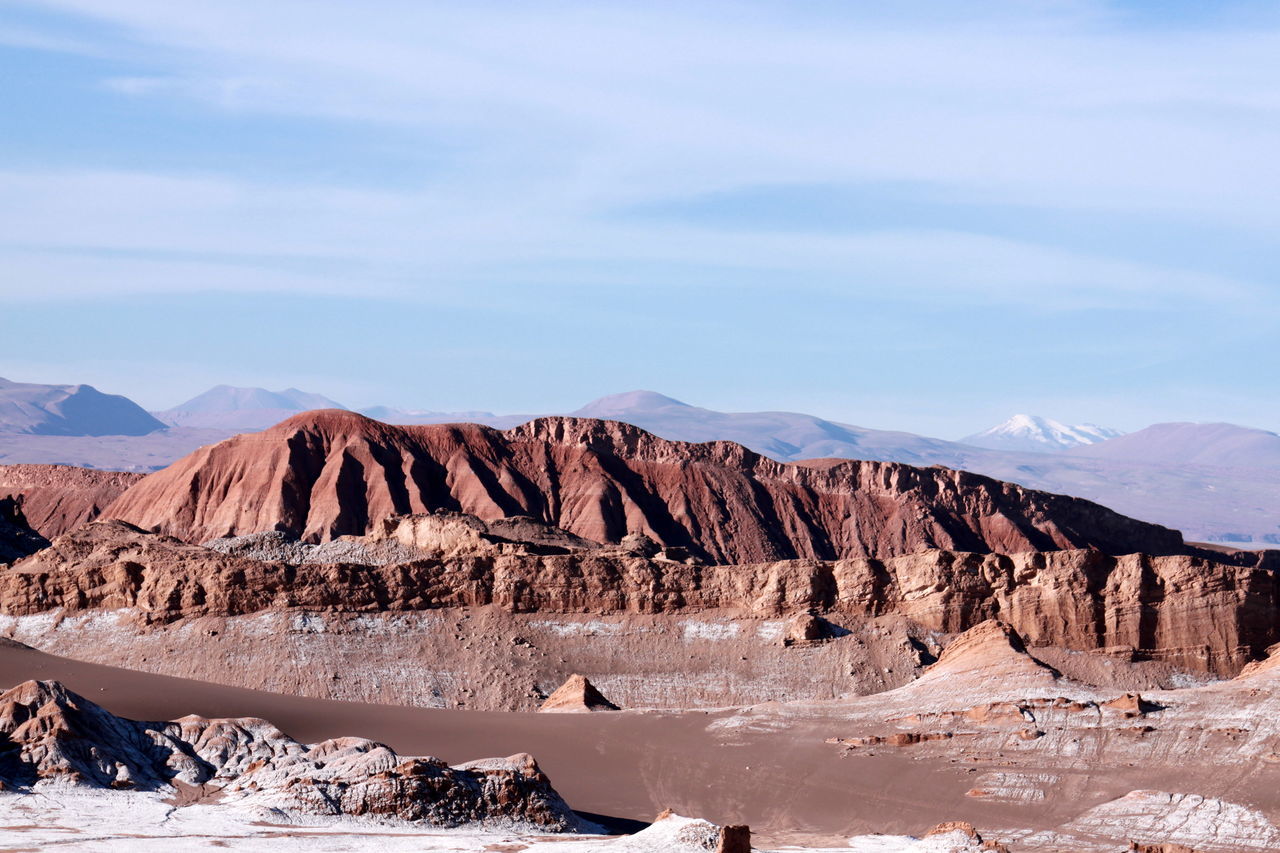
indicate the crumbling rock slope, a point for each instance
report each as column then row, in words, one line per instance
column 17, row 539
column 330, row 473
column 60, row 498
column 55, row 737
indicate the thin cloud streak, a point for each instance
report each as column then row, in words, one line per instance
column 58, row 227
column 491, row 158
column 691, row 101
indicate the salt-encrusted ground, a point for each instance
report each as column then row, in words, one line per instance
column 68, row 819
column 1034, row 759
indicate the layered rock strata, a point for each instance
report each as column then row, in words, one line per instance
column 1182, row 609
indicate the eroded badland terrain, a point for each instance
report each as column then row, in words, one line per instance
column 839, row 654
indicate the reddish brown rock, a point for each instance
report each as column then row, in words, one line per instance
column 735, row 838
column 1131, row 705
column 966, row 829
column 576, row 695
column 1184, row 610
column 806, row 629
column 60, row 498
column 329, row 473
column 992, row 651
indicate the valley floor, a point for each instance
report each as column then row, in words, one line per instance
column 109, row 821
column 1032, row 759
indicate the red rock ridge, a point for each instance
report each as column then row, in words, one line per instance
column 328, row 473
column 59, row 498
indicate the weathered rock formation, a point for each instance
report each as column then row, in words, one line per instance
column 1182, row 609
column 402, row 539
column 60, row 498
column 1210, row 824
column 966, row 831
column 672, row 832
column 53, row 736
column 991, row 651
column 17, row 539
column 330, row 473
column 576, row 695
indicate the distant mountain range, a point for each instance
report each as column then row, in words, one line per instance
column 1216, row 445
column 228, row 407
column 1215, row 482
column 1034, row 434
column 28, row 408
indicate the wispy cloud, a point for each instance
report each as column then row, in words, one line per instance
column 532, row 131
column 697, row 97
column 70, row 234
column 554, row 116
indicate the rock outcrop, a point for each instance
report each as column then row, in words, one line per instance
column 675, row 833
column 964, row 836
column 59, row 498
column 576, row 695
column 1172, row 822
column 331, row 473
column 53, row 736
column 1184, row 610
column 989, row 651
column 17, row 539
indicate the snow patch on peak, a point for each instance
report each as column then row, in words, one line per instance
column 1039, row 434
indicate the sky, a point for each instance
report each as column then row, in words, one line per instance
column 921, row 215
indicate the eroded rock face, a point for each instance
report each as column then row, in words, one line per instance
column 326, row 474
column 576, row 695
column 989, row 650
column 1185, row 610
column 59, row 498
column 17, row 539
column 1171, row 822
column 53, row 736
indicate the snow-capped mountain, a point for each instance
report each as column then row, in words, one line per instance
column 1034, row 434
column 787, row 436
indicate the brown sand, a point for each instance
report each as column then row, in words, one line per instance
column 628, row 765
column 778, row 776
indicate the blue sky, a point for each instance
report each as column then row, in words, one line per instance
column 919, row 218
